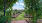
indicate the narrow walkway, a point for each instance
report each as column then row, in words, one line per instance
column 20, row 17
column 21, row 21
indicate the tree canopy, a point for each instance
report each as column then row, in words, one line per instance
column 9, row 3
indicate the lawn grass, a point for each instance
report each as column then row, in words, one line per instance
column 20, row 17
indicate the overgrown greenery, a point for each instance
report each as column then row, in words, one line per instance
column 8, row 4
column 3, row 18
column 34, row 8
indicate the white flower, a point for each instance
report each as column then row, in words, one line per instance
column 10, row 9
column 7, row 9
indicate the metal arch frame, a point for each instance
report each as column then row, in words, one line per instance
column 4, row 7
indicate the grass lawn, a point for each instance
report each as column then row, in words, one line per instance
column 20, row 17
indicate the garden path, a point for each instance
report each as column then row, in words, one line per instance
column 21, row 21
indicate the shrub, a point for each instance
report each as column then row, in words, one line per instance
column 14, row 13
column 19, row 12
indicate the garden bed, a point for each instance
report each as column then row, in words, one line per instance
column 27, row 16
column 29, row 21
column 39, row 21
column 14, row 16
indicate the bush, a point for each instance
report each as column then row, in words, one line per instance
column 14, row 13
column 19, row 12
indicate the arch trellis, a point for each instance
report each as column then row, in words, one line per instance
column 31, row 4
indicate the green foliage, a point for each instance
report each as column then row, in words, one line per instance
column 18, row 11
column 34, row 8
column 14, row 13
column 9, row 3
column 26, row 10
column 3, row 18
column 7, row 11
column 15, row 9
